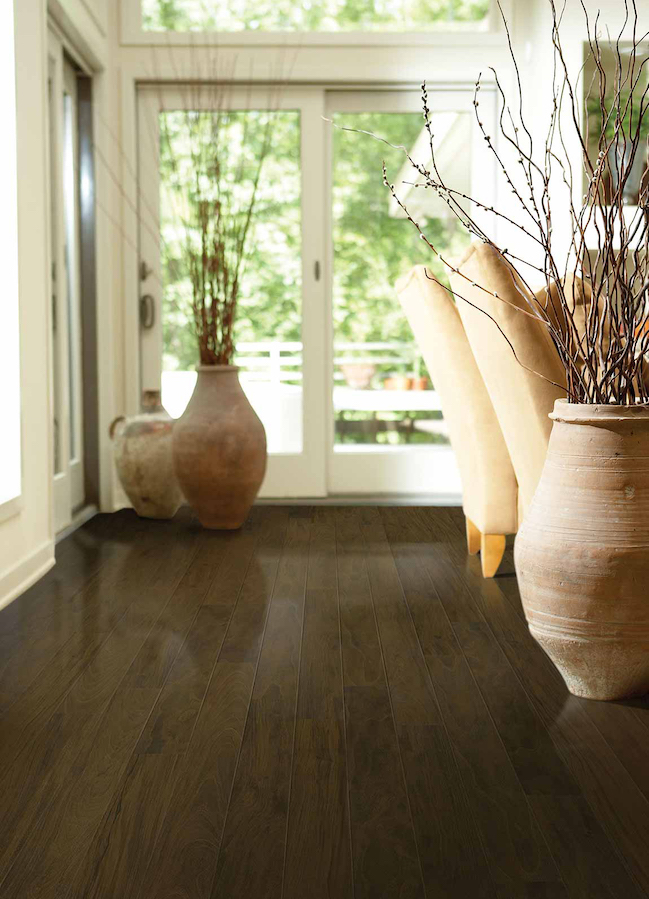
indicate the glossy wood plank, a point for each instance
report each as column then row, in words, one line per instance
column 49, row 615
column 183, row 862
column 614, row 800
column 385, row 857
column 533, row 891
column 251, row 859
column 64, row 826
column 52, row 729
column 411, row 692
column 452, row 855
column 81, row 556
column 318, row 851
column 515, row 847
column 352, row 712
column 538, row 765
column 116, row 861
column 589, row 867
column 384, row 849
column 361, row 648
column 153, row 663
column 171, row 723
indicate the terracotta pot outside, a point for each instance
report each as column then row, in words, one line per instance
column 144, row 461
column 582, row 553
column 358, row 375
column 219, row 448
column 397, row 382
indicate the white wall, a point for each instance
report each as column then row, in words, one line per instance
column 27, row 537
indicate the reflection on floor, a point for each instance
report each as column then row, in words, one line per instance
column 330, row 702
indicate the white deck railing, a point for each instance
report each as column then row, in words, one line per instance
column 279, row 362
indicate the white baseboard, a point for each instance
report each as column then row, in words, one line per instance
column 80, row 518
column 25, row 573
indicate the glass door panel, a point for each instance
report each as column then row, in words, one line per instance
column 389, row 435
column 268, row 325
column 279, row 295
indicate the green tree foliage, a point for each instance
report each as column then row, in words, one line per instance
column 270, row 295
column 372, row 247
column 318, row 15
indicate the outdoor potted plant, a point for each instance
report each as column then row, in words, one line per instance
column 219, row 443
column 582, row 552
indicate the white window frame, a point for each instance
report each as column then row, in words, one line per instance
column 133, row 34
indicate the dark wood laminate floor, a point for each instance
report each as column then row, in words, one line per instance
column 330, row 702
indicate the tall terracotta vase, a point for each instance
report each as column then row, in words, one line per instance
column 219, row 448
column 582, row 553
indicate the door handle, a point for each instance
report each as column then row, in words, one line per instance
column 147, row 312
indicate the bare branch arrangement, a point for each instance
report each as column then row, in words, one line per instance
column 213, row 207
column 602, row 349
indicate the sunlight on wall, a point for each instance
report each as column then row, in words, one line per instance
column 9, row 333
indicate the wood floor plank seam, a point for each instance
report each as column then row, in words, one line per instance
column 255, row 544
column 318, row 852
column 403, row 770
column 236, row 767
column 495, row 727
column 225, row 635
column 615, row 848
column 107, row 704
column 254, row 551
column 30, row 601
column 533, row 814
column 476, row 826
column 84, row 667
column 83, row 587
column 88, row 661
column 344, row 708
column 613, row 843
column 297, row 698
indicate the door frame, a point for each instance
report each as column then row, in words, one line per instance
column 76, row 495
column 288, row 474
column 62, row 492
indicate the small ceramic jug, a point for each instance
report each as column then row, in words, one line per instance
column 144, row 461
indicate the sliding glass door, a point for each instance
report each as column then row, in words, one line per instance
column 388, row 432
column 327, row 357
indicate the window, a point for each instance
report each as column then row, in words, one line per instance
column 9, row 333
column 314, row 15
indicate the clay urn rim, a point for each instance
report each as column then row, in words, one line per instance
column 218, row 369
column 583, row 413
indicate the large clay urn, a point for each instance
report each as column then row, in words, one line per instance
column 219, row 447
column 582, row 553
column 144, row 461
